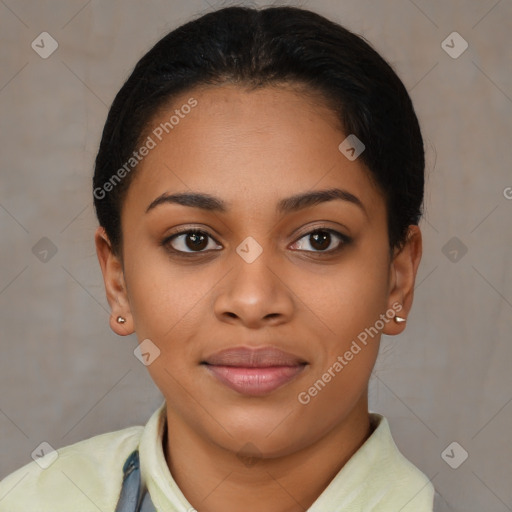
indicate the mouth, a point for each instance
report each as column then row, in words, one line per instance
column 254, row 372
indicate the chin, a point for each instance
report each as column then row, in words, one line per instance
column 272, row 433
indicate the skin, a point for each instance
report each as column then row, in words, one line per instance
column 252, row 149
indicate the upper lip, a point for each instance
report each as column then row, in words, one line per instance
column 246, row 357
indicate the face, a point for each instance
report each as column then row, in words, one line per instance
column 259, row 292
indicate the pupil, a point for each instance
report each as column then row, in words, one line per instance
column 321, row 240
column 197, row 240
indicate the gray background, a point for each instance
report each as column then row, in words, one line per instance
column 64, row 376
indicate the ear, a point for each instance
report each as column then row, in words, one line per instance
column 115, row 287
column 403, row 269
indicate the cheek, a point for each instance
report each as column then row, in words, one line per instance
column 167, row 306
column 349, row 304
column 350, row 308
column 334, row 391
column 347, row 299
column 165, row 298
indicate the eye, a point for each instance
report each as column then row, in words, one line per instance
column 320, row 240
column 191, row 241
column 196, row 241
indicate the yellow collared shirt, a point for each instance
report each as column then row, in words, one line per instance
column 87, row 476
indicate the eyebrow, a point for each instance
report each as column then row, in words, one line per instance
column 287, row 205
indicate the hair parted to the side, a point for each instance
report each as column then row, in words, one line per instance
column 263, row 47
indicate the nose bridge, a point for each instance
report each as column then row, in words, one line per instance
column 254, row 291
column 254, row 281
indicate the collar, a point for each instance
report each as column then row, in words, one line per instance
column 376, row 478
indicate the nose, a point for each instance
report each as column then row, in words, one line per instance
column 255, row 294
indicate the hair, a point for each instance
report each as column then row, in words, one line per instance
column 267, row 47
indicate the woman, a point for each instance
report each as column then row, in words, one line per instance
column 258, row 187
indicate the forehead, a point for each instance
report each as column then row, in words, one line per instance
column 250, row 147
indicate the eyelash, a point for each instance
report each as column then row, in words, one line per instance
column 344, row 240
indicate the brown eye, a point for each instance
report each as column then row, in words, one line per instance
column 320, row 240
column 189, row 241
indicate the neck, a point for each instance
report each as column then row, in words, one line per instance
column 213, row 478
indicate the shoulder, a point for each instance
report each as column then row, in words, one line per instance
column 405, row 484
column 85, row 476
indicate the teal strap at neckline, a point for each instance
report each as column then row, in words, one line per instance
column 131, row 497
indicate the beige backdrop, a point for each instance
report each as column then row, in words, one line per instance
column 64, row 376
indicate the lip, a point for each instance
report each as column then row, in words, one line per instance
column 254, row 372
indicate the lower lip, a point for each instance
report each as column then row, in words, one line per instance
column 255, row 381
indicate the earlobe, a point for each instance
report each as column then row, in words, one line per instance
column 121, row 321
column 403, row 270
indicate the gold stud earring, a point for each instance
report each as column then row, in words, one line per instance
column 121, row 320
column 400, row 319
